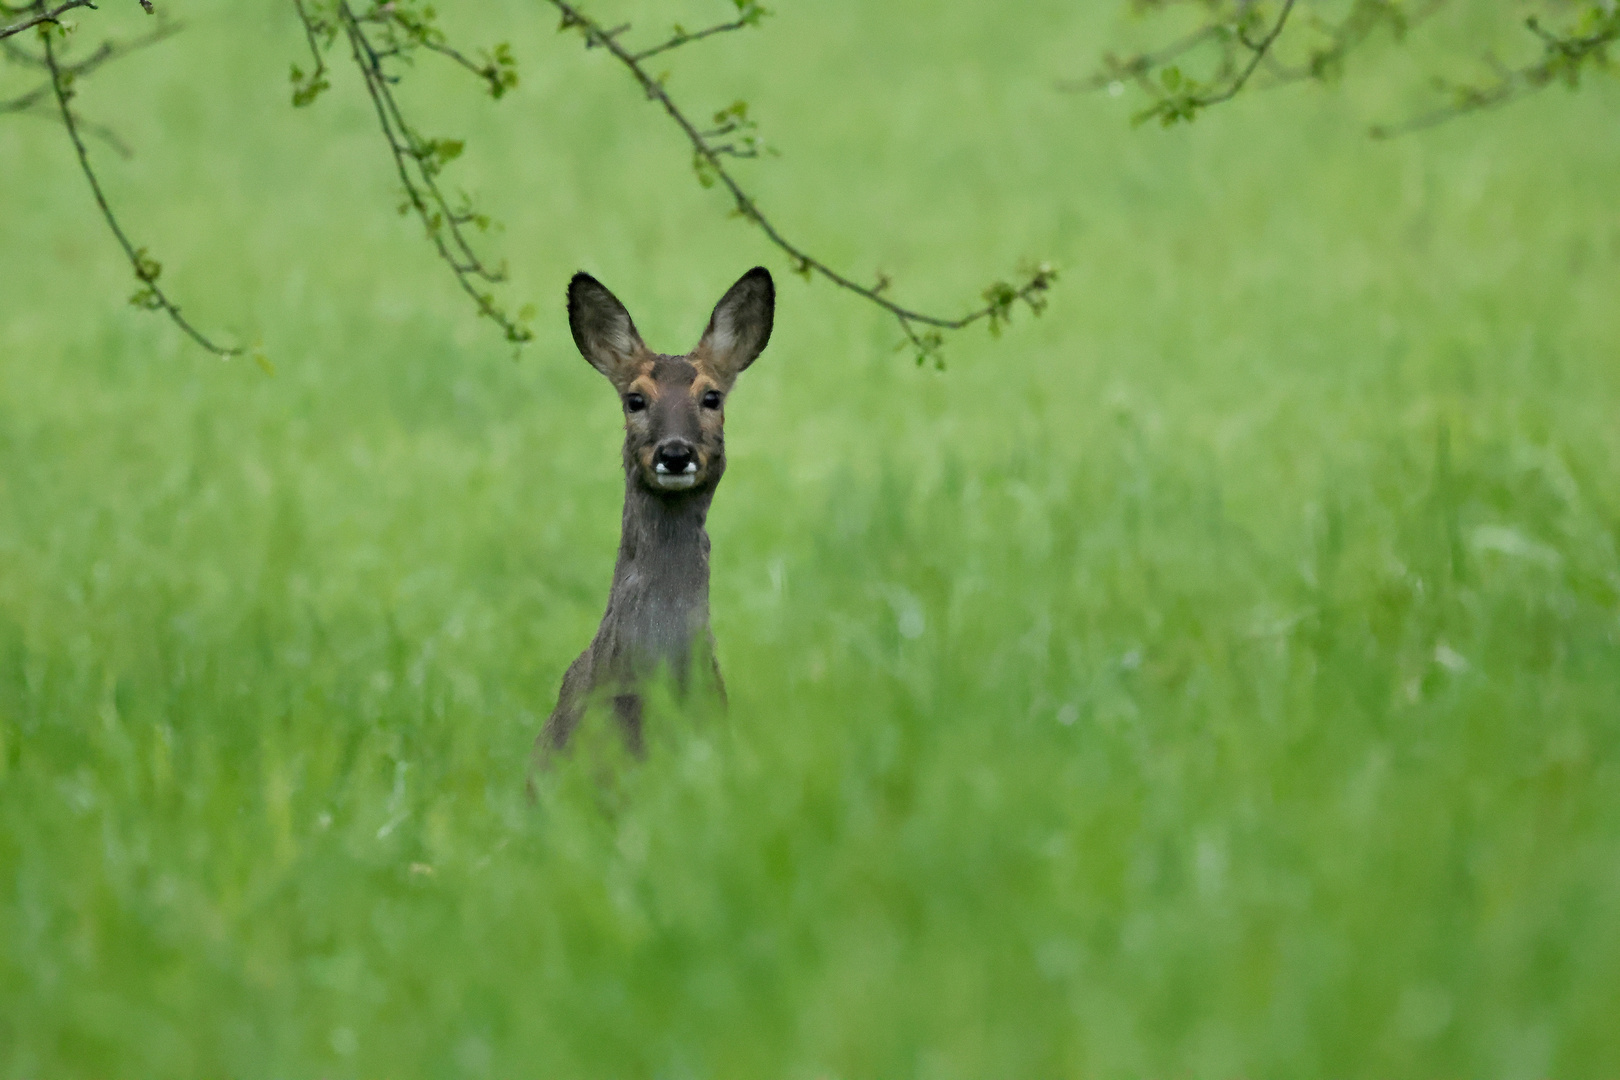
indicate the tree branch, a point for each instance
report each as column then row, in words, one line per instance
column 151, row 295
column 498, row 69
column 1259, row 51
column 34, row 102
column 417, row 161
column 1184, row 98
column 89, row 127
column 708, row 160
column 1349, row 34
column 106, row 51
column 751, row 15
column 1116, row 70
column 1566, row 56
column 43, row 16
column 1563, row 58
column 391, row 30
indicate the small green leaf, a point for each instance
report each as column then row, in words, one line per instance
column 147, row 268
column 706, row 172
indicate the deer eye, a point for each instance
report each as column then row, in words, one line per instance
column 634, row 402
column 711, row 400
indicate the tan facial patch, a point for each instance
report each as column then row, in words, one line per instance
column 703, row 384
column 708, row 377
column 643, row 383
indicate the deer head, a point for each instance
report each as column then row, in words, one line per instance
column 674, row 406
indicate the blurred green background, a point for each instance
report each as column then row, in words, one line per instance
column 1217, row 677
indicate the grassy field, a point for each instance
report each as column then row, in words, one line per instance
column 1217, row 677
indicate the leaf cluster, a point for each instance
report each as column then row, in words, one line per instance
column 1239, row 44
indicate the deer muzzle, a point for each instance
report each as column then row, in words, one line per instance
column 675, row 465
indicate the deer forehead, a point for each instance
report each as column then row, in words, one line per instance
column 663, row 375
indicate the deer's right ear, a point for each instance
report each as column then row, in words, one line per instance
column 603, row 330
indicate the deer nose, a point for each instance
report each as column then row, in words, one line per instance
column 675, row 456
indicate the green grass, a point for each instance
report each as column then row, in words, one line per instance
column 1217, row 677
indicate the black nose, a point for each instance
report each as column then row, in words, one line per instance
column 674, row 455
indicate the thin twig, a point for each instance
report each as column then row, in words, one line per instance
column 496, row 71
column 1117, row 70
column 1561, row 57
column 1000, row 295
column 44, row 16
column 106, row 52
column 1346, row 36
column 89, row 127
column 1565, row 57
column 1183, row 99
column 307, row 88
column 1258, row 53
column 455, row 54
column 416, row 161
column 146, row 270
column 683, row 38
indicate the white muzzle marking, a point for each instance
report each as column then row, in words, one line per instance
column 668, row 481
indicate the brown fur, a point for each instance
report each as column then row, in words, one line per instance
column 674, row 407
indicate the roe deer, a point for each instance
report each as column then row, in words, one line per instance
column 674, row 455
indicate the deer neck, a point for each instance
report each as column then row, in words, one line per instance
column 658, row 610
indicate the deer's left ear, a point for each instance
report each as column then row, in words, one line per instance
column 740, row 325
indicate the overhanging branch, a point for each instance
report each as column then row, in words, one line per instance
column 923, row 330
column 1318, row 51
column 418, row 160
column 40, row 101
column 42, row 17
column 151, row 295
column 1565, row 58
